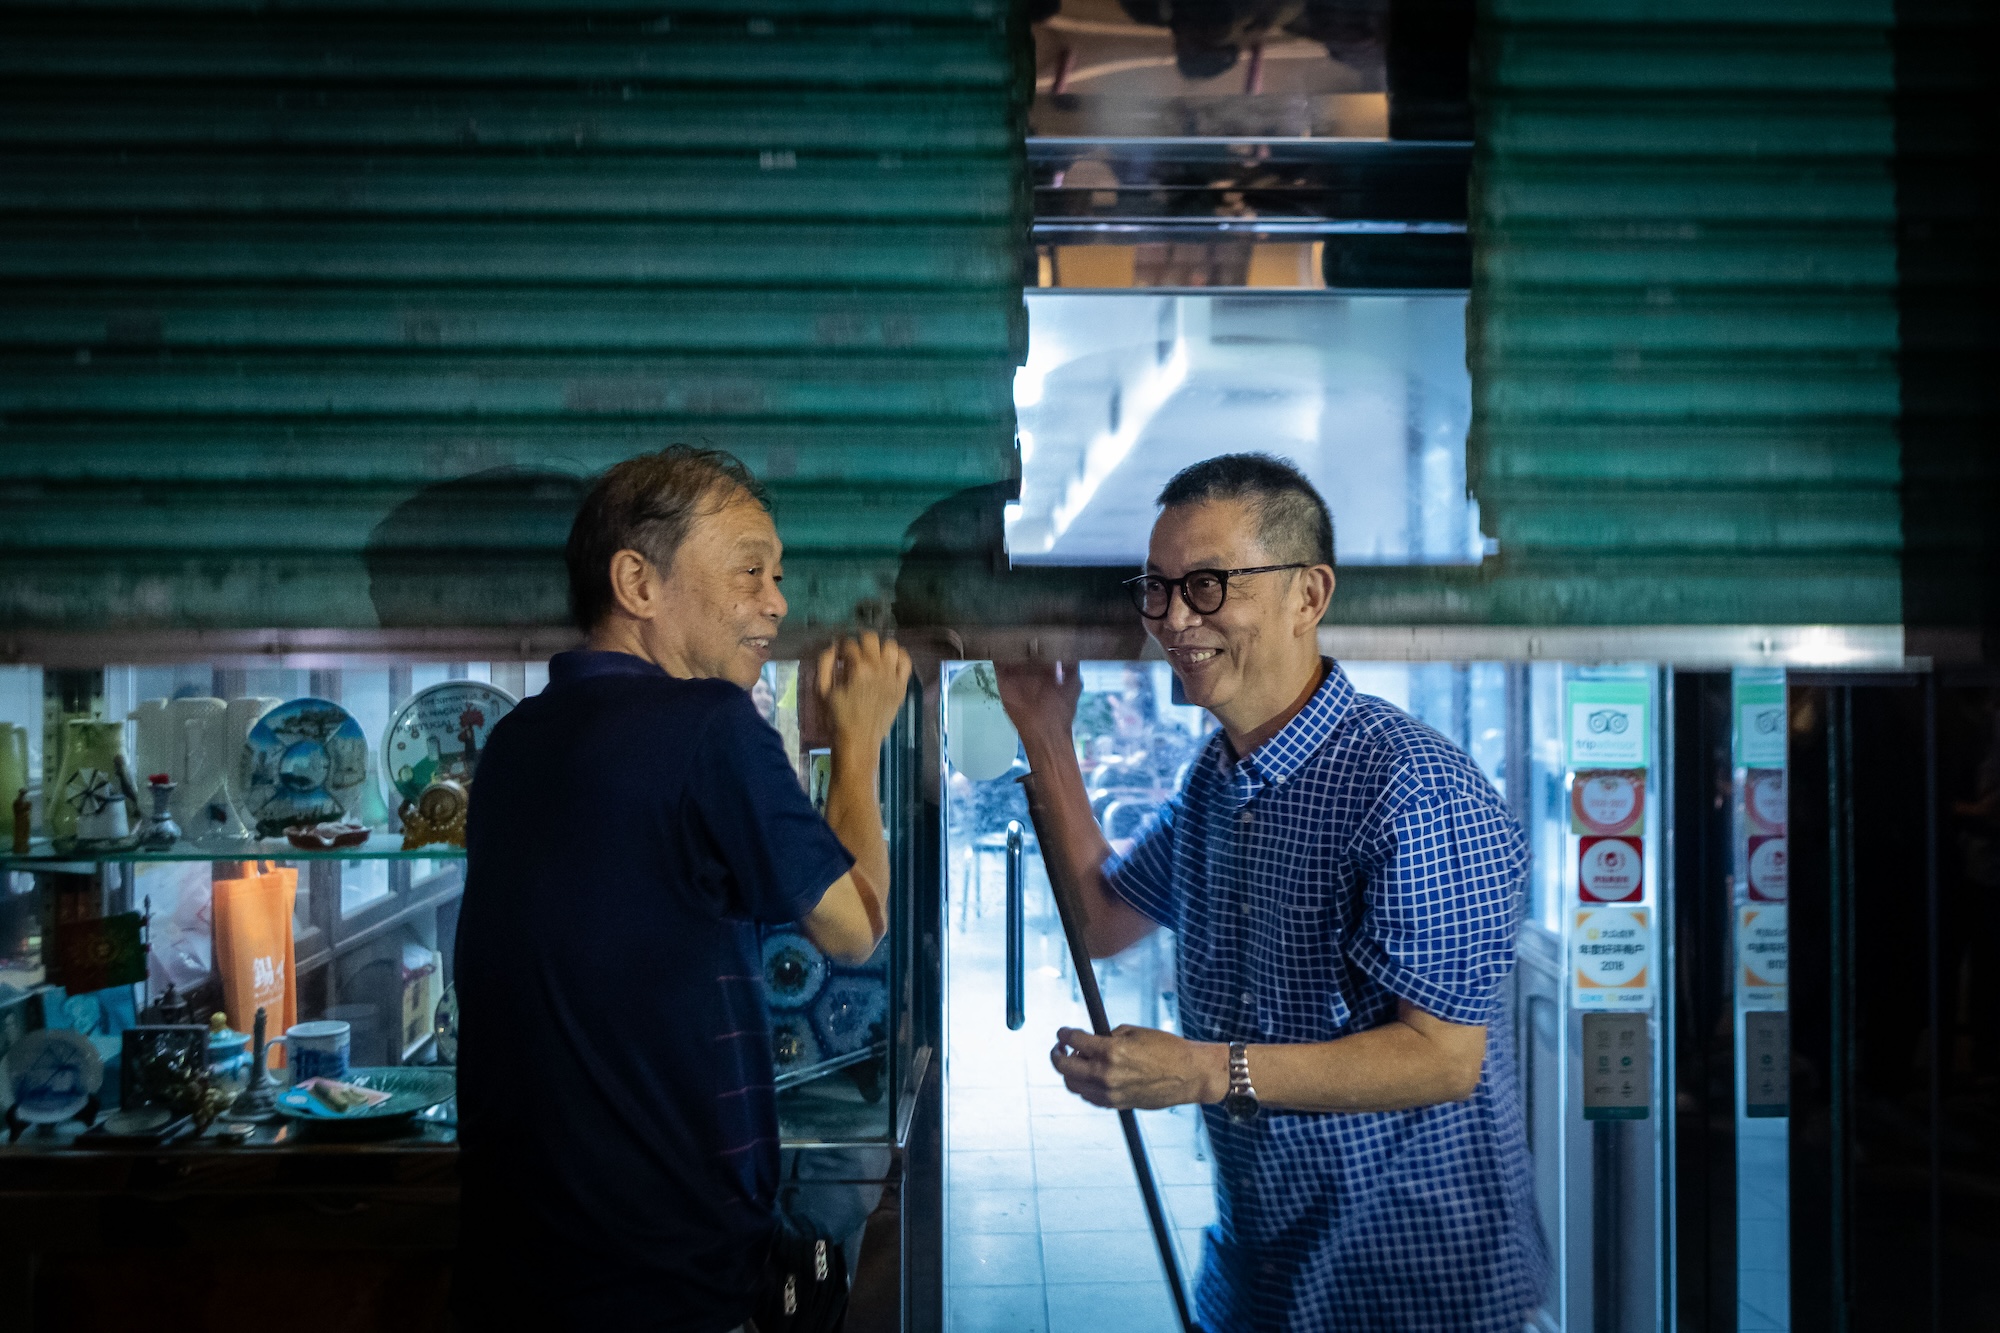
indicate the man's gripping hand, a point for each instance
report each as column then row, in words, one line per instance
column 861, row 686
column 1140, row 1068
column 1040, row 699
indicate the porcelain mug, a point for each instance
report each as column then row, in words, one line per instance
column 317, row 1050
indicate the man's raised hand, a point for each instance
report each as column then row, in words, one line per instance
column 861, row 685
column 1040, row 698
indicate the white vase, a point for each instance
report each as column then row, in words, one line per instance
column 244, row 714
column 197, row 724
column 155, row 747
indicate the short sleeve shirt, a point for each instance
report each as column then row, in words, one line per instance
column 1355, row 859
column 628, row 832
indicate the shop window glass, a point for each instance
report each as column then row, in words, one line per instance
column 1368, row 395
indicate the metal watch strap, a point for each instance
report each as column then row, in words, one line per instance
column 1241, row 1103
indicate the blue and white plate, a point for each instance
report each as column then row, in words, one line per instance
column 794, row 970
column 850, row 1013
column 51, row 1074
column 305, row 762
column 793, row 1045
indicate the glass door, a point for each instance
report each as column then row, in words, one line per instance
column 1044, row 1223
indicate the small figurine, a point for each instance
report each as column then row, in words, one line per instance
column 160, row 832
column 258, row 1101
column 170, row 1008
column 437, row 815
column 24, row 814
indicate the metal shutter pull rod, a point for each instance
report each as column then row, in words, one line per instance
column 1070, row 909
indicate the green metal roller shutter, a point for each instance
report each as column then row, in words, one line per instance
column 1683, row 332
column 313, row 315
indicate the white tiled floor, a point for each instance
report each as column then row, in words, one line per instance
column 1045, row 1229
column 1763, row 1226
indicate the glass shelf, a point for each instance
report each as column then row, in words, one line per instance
column 379, row 847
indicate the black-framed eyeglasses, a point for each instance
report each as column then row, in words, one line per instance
column 1204, row 590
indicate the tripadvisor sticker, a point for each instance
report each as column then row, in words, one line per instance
column 1611, row 958
column 1608, row 801
column 1605, row 724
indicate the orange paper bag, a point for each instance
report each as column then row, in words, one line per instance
column 253, row 947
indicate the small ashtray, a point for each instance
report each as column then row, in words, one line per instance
column 326, row 837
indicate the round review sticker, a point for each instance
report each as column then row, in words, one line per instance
column 1767, row 869
column 1764, row 798
column 1607, row 802
column 1610, row 870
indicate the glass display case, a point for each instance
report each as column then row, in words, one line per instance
column 198, row 839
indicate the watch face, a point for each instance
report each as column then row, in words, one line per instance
column 1240, row 1106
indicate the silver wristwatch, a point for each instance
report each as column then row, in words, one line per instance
column 1241, row 1100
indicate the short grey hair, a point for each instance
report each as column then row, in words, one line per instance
column 1293, row 522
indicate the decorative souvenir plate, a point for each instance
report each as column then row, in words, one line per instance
column 850, row 1013
column 411, row 1089
column 440, row 733
column 305, row 762
column 793, row 1045
column 793, row 970
column 51, row 1074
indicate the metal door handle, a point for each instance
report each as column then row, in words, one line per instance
column 1017, row 930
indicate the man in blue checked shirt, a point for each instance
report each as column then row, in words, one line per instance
column 1345, row 885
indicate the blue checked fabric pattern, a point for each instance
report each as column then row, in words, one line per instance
column 1355, row 857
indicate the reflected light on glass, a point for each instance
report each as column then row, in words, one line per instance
column 1028, row 384
column 1109, row 448
column 1369, row 395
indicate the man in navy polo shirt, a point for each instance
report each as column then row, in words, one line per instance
column 630, row 828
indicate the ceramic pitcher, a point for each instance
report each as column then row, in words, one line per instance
column 89, row 805
column 13, row 762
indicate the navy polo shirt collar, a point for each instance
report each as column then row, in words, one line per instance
column 583, row 663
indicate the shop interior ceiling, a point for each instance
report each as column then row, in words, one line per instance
column 317, row 317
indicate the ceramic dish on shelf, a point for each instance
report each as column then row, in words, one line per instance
column 440, row 733
column 794, row 970
column 326, row 837
column 150, row 1125
column 411, row 1089
column 50, row 1075
column 850, row 1013
column 304, row 763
